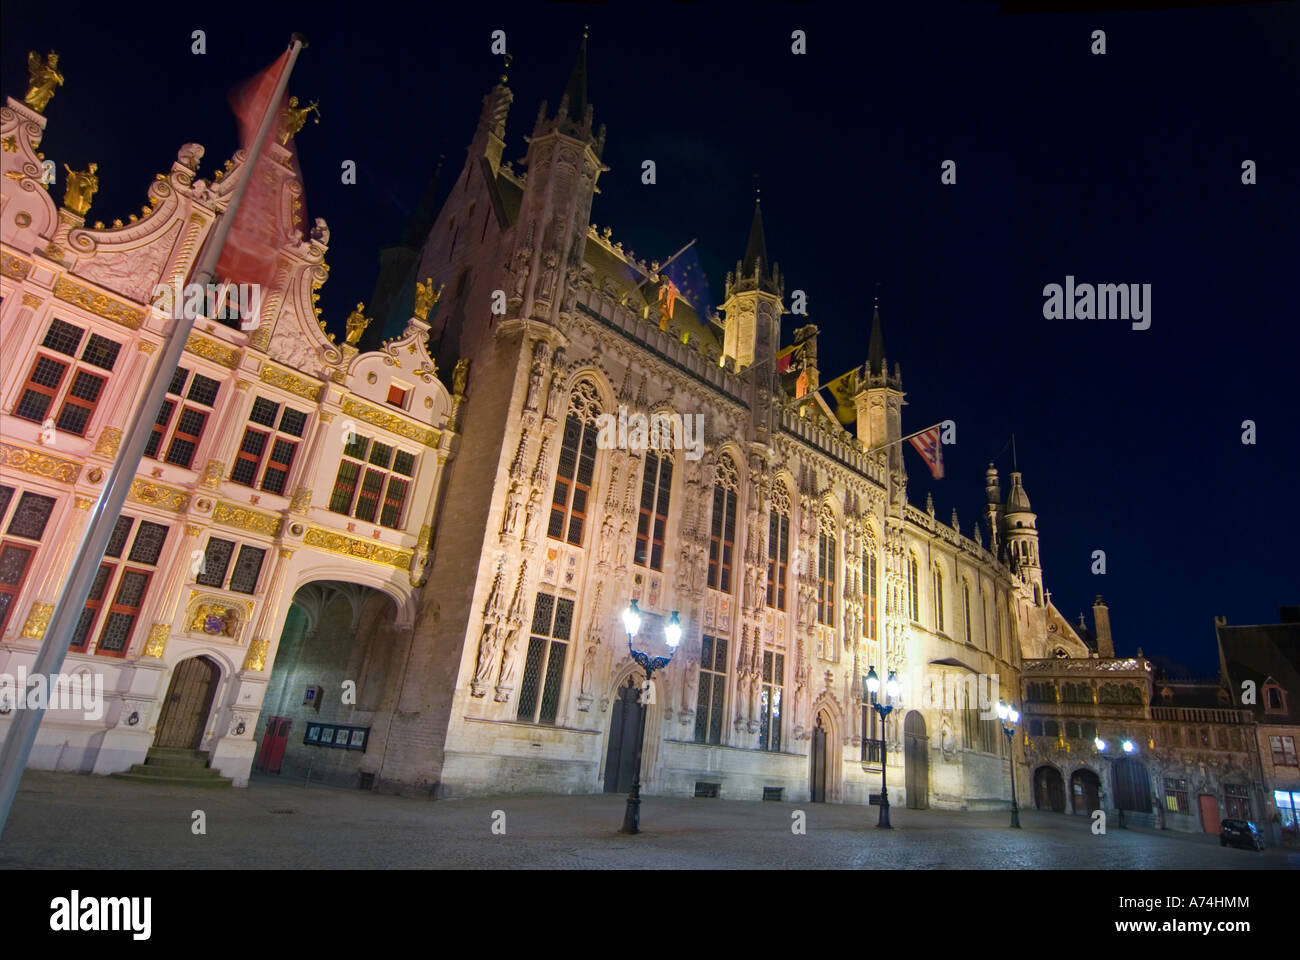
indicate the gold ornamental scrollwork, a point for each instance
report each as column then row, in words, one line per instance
column 391, row 422
column 99, row 304
column 156, row 644
column 159, row 495
column 213, row 350
column 31, row 300
column 39, row 464
column 110, row 438
column 360, row 549
column 291, row 382
column 245, row 518
column 257, row 650
column 15, row 268
column 38, row 618
column 212, row 474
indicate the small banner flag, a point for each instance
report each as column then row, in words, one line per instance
column 668, row 297
column 259, row 230
column 931, row 451
column 788, row 357
column 841, row 388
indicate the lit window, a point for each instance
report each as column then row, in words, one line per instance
column 373, row 481
column 778, row 546
column 73, row 387
column 722, row 529
column 576, row 468
column 175, row 437
column 266, row 455
column 656, row 488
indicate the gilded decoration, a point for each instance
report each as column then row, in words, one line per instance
column 257, row 650
column 226, row 356
column 39, row 464
column 83, row 503
column 38, row 618
column 292, row 383
column 80, row 188
column 245, row 518
column 156, row 643
column 159, row 495
column 109, row 440
column 301, row 501
column 13, row 267
column 145, row 346
column 31, row 300
column 42, row 79
column 219, row 619
column 99, row 304
column 390, row 422
column 212, row 474
column 426, row 297
column 361, row 549
column 357, row 322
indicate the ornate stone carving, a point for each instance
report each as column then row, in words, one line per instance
column 244, row 518
column 38, row 618
column 372, row 551
column 159, row 495
column 256, row 658
column 107, row 444
column 39, row 464
column 291, row 382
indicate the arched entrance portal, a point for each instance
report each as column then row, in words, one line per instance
column 1049, row 789
column 189, row 700
column 817, row 786
column 1085, row 791
column 626, row 728
column 916, row 761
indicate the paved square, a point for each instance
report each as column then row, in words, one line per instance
column 67, row 820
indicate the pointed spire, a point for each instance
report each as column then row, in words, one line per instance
column 1017, row 499
column 576, row 90
column 876, row 350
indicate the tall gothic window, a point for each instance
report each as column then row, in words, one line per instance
column 577, row 465
column 769, row 704
column 713, row 682
column 870, row 585
column 826, row 569
column 938, row 598
column 913, row 593
column 778, row 546
column 656, row 487
column 965, row 607
column 722, row 534
column 548, row 647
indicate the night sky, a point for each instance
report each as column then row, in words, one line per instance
column 1122, row 168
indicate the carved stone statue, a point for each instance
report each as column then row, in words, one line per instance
column 534, row 385
column 426, row 297
column 511, row 517
column 293, row 118
column 357, row 322
column 588, row 669
column 82, row 185
column 460, row 377
column 190, row 154
column 487, row 654
column 42, row 78
column 548, row 276
column 532, row 514
column 556, row 397
column 48, row 436
column 606, row 539
column 624, row 543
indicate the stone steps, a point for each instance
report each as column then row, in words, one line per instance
column 169, row 765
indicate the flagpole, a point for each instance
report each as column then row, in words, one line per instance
column 665, row 264
column 21, row 735
column 886, row 446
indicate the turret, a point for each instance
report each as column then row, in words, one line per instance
column 879, row 398
column 752, row 328
column 1020, row 526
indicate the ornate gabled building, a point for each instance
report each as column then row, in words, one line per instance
column 284, row 470
column 786, row 543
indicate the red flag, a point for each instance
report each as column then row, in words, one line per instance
column 667, row 292
column 785, row 359
column 928, row 446
column 259, row 229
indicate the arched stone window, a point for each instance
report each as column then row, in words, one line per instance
column 778, row 546
column 938, row 598
column 722, row 533
column 965, row 607
column 576, row 467
column 826, row 538
column 911, row 573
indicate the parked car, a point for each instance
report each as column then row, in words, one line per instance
column 1240, row 833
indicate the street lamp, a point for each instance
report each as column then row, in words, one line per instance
column 673, row 636
column 1128, row 746
column 1010, row 716
column 883, row 709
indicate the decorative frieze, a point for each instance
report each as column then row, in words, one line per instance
column 391, row 422
column 219, row 353
column 159, row 495
column 38, row 618
column 39, row 464
column 291, row 382
column 359, row 549
column 100, row 305
column 245, row 518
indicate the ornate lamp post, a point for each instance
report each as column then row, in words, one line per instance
column 1010, row 716
column 1128, row 746
column 673, row 636
column 883, row 709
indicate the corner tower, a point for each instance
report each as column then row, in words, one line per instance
column 752, row 326
column 880, row 399
column 1020, row 525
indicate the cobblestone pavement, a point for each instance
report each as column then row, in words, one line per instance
column 82, row 822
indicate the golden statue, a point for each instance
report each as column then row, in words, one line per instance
column 82, row 185
column 460, row 378
column 42, row 78
column 294, row 118
column 357, row 323
column 425, row 297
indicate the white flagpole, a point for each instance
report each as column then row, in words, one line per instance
column 886, row 446
column 22, row 731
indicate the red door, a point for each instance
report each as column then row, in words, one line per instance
column 273, row 744
column 1209, row 813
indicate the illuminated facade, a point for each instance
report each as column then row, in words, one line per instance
column 280, row 459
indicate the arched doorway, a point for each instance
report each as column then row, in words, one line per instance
column 1085, row 791
column 1049, row 789
column 626, row 729
column 916, row 761
column 1132, row 785
column 817, row 787
column 188, row 702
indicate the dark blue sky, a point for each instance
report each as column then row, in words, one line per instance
column 1123, row 168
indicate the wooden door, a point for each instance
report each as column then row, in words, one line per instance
column 189, row 700
column 818, row 787
column 1209, row 813
column 624, row 729
column 916, row 762
column 276, row 739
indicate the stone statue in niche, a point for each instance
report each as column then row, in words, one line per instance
column 624, row 543
column 487, row 651
column 535, row 384
column 511, row 518
column 606, row 539
column 532, row 514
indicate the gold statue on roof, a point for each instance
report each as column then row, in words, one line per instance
column 294, row 117
column 82, row 185
column 42, row 78
column 357, row 322
column 425, row 297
